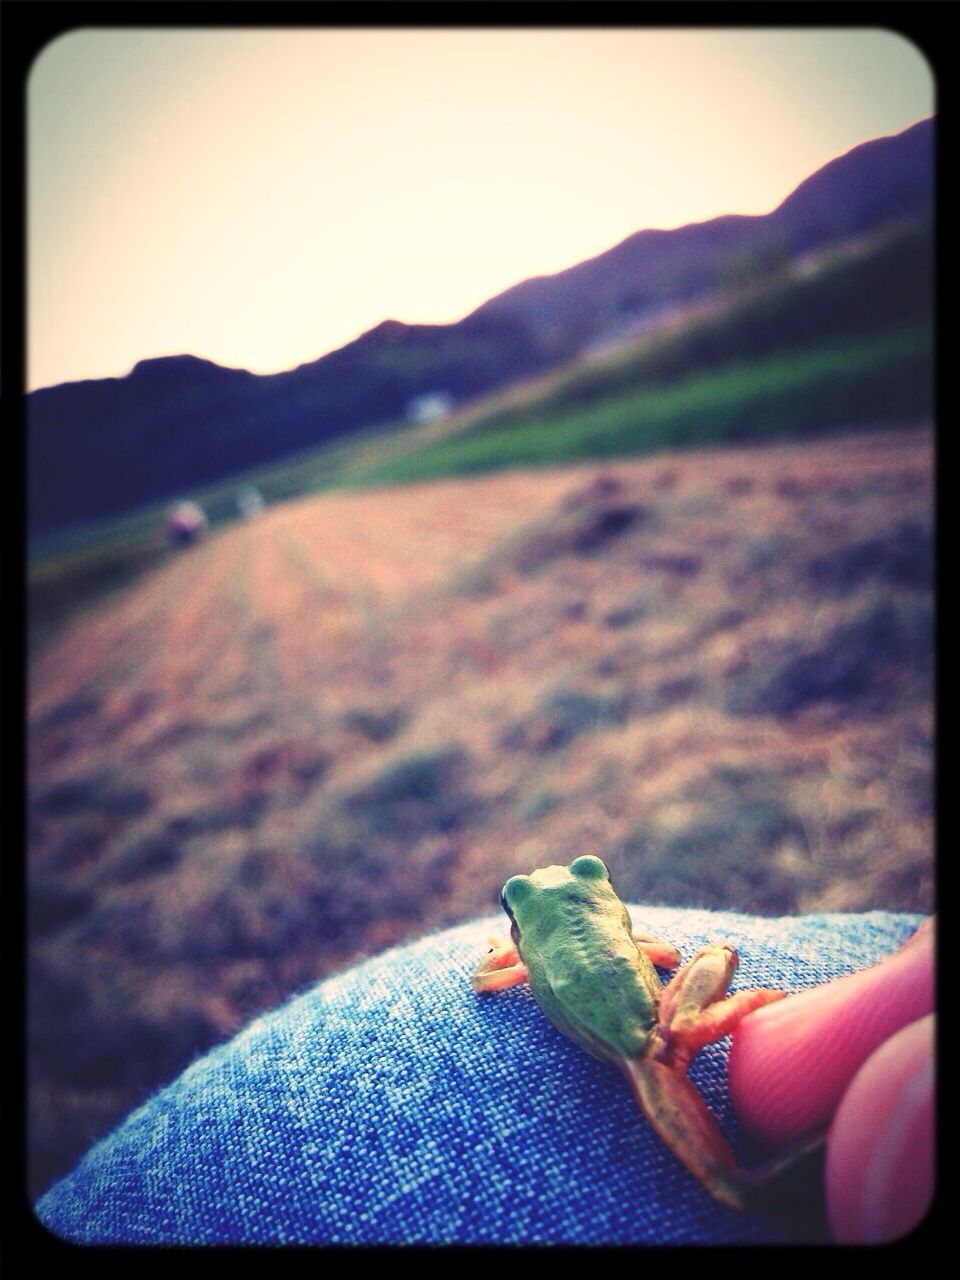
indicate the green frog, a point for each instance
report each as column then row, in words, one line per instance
column 594, row 978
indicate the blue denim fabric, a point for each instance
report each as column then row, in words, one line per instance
column 390, row 1104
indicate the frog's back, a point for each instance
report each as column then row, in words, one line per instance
column 587, row 973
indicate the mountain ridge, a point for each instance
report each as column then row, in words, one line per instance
column 177, row 421
column 795, row 225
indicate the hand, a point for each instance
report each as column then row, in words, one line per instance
column 855, row 1054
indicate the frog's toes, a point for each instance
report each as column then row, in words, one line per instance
column 500, row 967
column 661, row 953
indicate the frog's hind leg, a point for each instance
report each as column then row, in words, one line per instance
column 695, row 1008
column 681, row 1118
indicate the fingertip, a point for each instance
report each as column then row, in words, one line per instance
column 791, row 1062
column 772, row 1070
column 880, row 1149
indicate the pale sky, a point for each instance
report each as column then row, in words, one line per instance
column 260, row 197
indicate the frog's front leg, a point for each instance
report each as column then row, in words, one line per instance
column 501, row 967
column 695, row 1009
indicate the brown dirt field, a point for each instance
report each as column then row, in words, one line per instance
column 348, row 721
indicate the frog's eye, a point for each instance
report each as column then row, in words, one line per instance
column 589, row 867
column 516, row 890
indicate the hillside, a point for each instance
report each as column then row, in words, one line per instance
column 348, row 721
column 843, row 342
column 99, row 448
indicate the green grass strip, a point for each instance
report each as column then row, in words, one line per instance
column 870, row 382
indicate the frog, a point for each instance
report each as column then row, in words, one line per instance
column 572, row 940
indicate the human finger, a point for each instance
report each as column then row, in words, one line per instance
column 792, row 1061
column 879, row 1170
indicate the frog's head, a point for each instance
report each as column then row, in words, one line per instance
column 523, row 897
